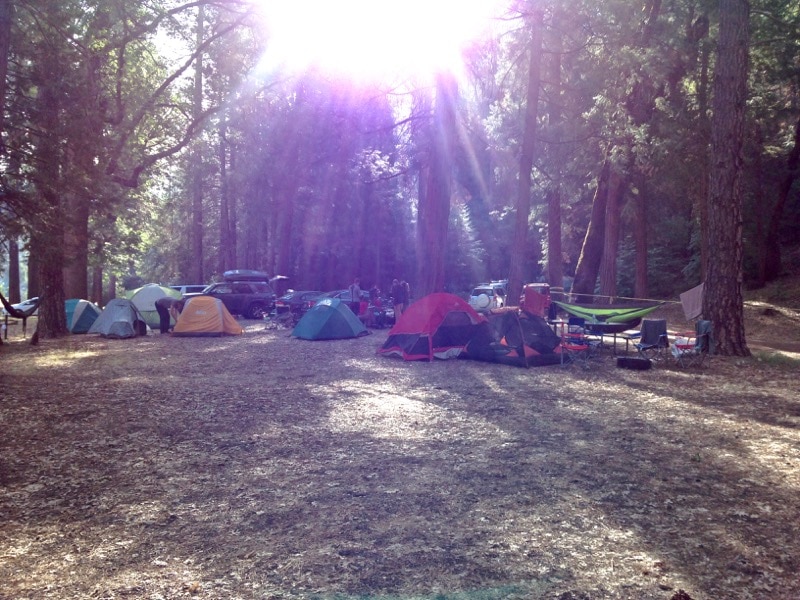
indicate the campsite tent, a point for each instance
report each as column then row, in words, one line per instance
column 119, row 319
column 144, row 299
column 438, row 325
column 205, row 316
column 515, row 338
column 80, row 314
column 329, row 319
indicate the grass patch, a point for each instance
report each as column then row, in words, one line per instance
column 777, row 359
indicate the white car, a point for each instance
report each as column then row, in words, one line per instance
column 488, row 296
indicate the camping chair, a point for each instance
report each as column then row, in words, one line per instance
column 690, row 349
column 576, row 346
column 653, row 343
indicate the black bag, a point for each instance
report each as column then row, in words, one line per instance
column 634, row 362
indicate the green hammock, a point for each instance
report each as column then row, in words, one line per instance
column 609, row 313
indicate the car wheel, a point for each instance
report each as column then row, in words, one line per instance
column 257, row 310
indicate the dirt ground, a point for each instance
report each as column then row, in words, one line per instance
column 265, row 467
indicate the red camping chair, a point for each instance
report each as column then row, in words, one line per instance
column 576, row 347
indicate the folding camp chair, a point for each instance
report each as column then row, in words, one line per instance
column 654, row 342
column 576, row 346
column 690, row 349
column 574, row 349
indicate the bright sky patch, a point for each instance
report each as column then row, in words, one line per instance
column 374, row 39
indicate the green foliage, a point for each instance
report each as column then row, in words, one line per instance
column 322, row 176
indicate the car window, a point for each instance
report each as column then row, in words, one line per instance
column 262, row 288
column 241, row 288
column 224, row 288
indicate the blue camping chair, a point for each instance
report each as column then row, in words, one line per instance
column 654, row 342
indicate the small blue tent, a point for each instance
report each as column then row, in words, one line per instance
column 119, row 320
column 80, row 314
column 329, row 319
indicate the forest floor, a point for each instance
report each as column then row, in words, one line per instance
column 265, row 467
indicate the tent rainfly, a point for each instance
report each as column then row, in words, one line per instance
column 439, row 325
column 329, row 319
column 205, row 316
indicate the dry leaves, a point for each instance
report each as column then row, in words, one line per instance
column 268, row 467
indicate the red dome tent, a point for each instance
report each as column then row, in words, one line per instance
column 439, row 325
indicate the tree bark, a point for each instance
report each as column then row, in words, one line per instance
column 526, row 158
column 47, row 236
column 771, row 251
column 640, row 286
column 555, row 260
column 608, row 266
column 13, row 272
column 434, row 205
column 6, row 20
column 723, row 301
column 76, row 247
column 97, row 286
column 223, row 257
column 197, row 271
column 592, row 249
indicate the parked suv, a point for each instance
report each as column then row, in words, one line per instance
column 487, row 296
column 189, row 289
column 250, row 299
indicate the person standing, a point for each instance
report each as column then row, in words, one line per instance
column 398, row 298
column 355, row 296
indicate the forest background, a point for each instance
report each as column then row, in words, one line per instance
column 639, row 148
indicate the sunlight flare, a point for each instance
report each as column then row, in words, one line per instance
column 368, row 39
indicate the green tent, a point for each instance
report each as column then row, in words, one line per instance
column 329, row 319
column 144, row 299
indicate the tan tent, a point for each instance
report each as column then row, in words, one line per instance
column 204, row 316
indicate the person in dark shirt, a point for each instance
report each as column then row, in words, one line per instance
column 166, row 308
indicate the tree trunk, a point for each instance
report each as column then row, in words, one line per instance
column 225, row 229
column 13, row 272
column 608, row 265
column 76, row 244
column 640, row 286
column 701, row 205
column 197, row 271
column 771, row 253
column 723, row 301
column 526, row 157
column 47, row 237
column 6, row 20
column 592, row 249
column 434, row 205
column 555, row 260
column 112, row 287
column 97, row 285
